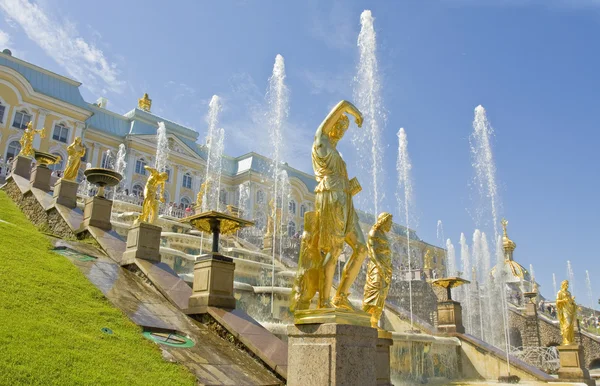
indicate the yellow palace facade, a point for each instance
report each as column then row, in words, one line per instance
column 29, row 93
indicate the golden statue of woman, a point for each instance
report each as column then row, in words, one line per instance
column 150, row 205
column 379, row 270
column 26, row 140
column 200, row 196
column 336, row 219
column 567, row 313
column 76, row 150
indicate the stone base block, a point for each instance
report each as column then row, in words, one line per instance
column 332, row 315
column 65, row 193
column 40, row 178
column 571, row 365
column 450, row 316
column 382, row 361
column 213, row 284
column 143, row 242
column 331, row 354
column 21, row 166
column 97, row 212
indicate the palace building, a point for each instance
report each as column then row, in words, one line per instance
column 29, row 93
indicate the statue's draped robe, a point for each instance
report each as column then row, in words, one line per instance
column 567, row 310
column 73, row 162
column 333, row 200
column 379, row 271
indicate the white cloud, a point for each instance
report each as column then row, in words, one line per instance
column 4, row 39
column 336, row 27
column 61, row 41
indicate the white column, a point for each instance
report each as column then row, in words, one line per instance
column 94, row 160
column 79, row 126
column 37, row 140
column 178, row 183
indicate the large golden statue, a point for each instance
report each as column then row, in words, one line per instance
column 310, row 270
column 567, row 313
column 428, row 260
column 76, row 150
column 379, row 270
column 150, row 205
column 336, row 221
column 275, row 215
column 200, row 196
column 26, row 140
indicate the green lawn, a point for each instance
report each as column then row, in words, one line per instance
column 51, row 318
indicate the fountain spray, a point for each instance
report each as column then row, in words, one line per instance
column 451, row 258
column 214, row 143
column 465, row 260
column 162, row 148
column 588, row 284
column 404, row 198
column 554, row 284
column 571, row 276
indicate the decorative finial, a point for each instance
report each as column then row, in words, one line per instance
column 504, row 223
column 145, row 103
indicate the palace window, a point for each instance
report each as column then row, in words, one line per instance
column 302, row 210
column 139, row 166
column 185, row 202
column 291, row 228
column 2, row 110
column 22, row 118
column 187, row 181
column 223, row 197
column 292, row 207
column 13, row 149
column 107, row 160
column 137, row 190
column 61, row 133
column 168, row 171
column 260, row 197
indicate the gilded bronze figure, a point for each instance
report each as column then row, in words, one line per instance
column 567, row 313
column 76, row 150
column 150, row 205
column 26, row 140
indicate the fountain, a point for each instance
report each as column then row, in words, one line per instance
column 451, row 258
column 588, row 284
column 214, row 142
column 554, row 283
column 98, row 209
column 121, row 164
column 466, row 270
column 367, row 93
column 162, row 148
column 570, row 276
column 450, row 311
column 40, row 176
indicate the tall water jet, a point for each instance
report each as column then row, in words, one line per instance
column 571, row 277
column 214, row 144
column 367, row 95
column 404, row 197
column 532, row 276
column 588, row 284
column 109, row 160
column 162, row 148
column 244, row 199
column 120, row 165
column 278, row 108
column 451, row 264
column 465, row 260
column 554, row 284
column 477, row 258
column 218, row 170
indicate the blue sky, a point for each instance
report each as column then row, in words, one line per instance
column 532, row 64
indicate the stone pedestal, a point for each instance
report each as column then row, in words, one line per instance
column 143, row 242
column 21, row 166
column 571, row 365
column 213, row 283
column 450, row 316
column 331, row 354
column 97, row 212
column 382, row 359
column 40, row 178
column 65, row 193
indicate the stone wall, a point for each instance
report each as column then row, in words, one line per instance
column 424, row 299
column 27, row 203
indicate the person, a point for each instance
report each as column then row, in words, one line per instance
column 75, row 151
column 567, row 313
column 379, row 269
column 188, row 210
column 150, row 205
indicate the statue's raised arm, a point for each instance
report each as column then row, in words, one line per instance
column 336, row 122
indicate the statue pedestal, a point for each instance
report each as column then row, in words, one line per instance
column 97, row 212
column 40, row 178
column 213, row 283
column 65, row 193
column 382, row 359
column 143, row 242
column 21, row 166
column 450, row 316
column 571, row 365
column 331, row 354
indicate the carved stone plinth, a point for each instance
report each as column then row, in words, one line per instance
column 97, row 212
column 143, row 242
column 65, row 193
column 450, row 316
column 382, row 361
column 571, row 365
column 40, row 178
column 213, row 283
column 331, row 354
column 21, row 166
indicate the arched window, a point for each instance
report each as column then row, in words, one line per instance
column 139, row 166
column 22, row 118
column 2, row 111
column 223, row 197
column 107, row 160
column 61, row 133
column 260, row 197
column 57, row 166
column 185, row 201
column 137, row 190
column 187, row 181
column 302, row 210
column 166, row 194
column 13, row 149
column 292, row 207
column 291, row 228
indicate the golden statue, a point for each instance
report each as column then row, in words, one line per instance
column 200, row 196
column 26, row 141
column 150, row 205
column 310, row 270
column 567, row 313
column 379, row 270
column 145, row 103
column 336, row 221
column 76, row 150
column 428, row 260
column 274, row 216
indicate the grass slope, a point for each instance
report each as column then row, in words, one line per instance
column 51, row 318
